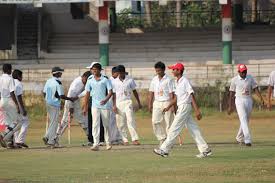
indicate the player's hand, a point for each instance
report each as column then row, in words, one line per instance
column 166, row 109
column 24, row 112
column 74, row 99
column 103, row 102
column 115, row 109
column 198, row 115
column 71, row 112
column 150, row 108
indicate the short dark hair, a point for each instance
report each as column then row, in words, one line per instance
column 160, row 65
column 7, row 68
column 97, row 66
column 16, row 74
column 86, row 74
column 114, row 69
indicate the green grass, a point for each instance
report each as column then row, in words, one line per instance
column 230, row 162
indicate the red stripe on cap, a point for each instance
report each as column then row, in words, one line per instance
column 227, row 10
column 103, row 11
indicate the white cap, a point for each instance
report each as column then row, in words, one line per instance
column 92, row 64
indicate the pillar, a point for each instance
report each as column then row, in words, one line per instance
column 238, row 13
column 227, row 32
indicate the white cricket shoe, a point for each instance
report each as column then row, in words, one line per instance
column 204, row 154
column 160, row 153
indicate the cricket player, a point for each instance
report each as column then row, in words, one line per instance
column 20, row 136
column 96, row 87
column 184, row 99
column 53, row 93
column 160, row 95
column 124, row 85
column 271, row 84
column 115, row 136
column 76, row 90
column 9, row 106
column 242, row 86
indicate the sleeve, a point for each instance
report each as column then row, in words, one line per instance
column 171, row 86
column 11, row 85
column 271, row 79
column 109, row 85
column 88, row 86
column 232, row 86
column 152, row 87
column 19, row 89
column 60, row 90
column 45, row 87
column 189, row 88
column 133, row 84
column 82, row 94
column 253, row 83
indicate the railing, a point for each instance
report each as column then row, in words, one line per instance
column 164, row 20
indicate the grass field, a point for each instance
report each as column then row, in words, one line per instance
column 229, row 163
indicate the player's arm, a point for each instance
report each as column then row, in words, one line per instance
column 14, row 100
column 196, row 107
column 174, row 108
column 137, row 98
column 114, row 103
column 172, row 103
column 110, row 94
column 86, row 103
column 256, row 90
column 230, row 109
column 269, row 94
column 21, row 103
column 150, row 102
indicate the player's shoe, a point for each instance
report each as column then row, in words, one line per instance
column 108, row 147
column 125, row 143
column 2, row 142
column 87, row 144
column 160, row 153
column 22, row 145
column 248, row 144
column 204, row 154
column 10, row 145
column 101, row 144
column 95, row 148
column 136, row 142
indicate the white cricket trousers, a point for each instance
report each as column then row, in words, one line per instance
column 158, row 118
column 105, row 115
column 184, row 118
column 125, row 117
column 114, row 133
column 20, row 136
column 12, row 119
column 77, row 114
column 53, row 113
column 244, row 108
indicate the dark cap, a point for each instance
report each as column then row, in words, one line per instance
column 121, row 68
column 56, row 70
column 115, row 69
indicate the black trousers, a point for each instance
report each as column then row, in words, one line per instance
column 90, row 127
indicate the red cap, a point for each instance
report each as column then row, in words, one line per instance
column 178, row 66
column 242, row 67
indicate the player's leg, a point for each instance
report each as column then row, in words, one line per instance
column 157, row 118
column 176, row 127
column 64, row 122
column 105, row 116
column 53, row 117
column 168, row 117
column 78, row 115
column 246, row 130
column 20, row 136
column 121, row 122
column 96, row 127
column 131, row 122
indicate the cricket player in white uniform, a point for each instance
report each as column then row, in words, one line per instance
column 160, row 95
column 271, row 84
column 76, row 90
column 242, row 86
column 184, row 99
column 9, row 106
column 100, row 89
column 124, row 85
column 115, row 136
column 20, row 136
column 53, row 93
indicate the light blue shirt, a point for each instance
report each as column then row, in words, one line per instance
column 98, row 91
column 53, row 88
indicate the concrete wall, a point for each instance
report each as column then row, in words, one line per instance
column 6, row 26
column 62, row 21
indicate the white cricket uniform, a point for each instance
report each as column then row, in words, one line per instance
column 162, row 88
column 125, row 116
column 76, row 89
column 271, row 81
column 114, row 133
column 20, row 136
column 11, row 117
column 184, row 117
column 243, row 89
